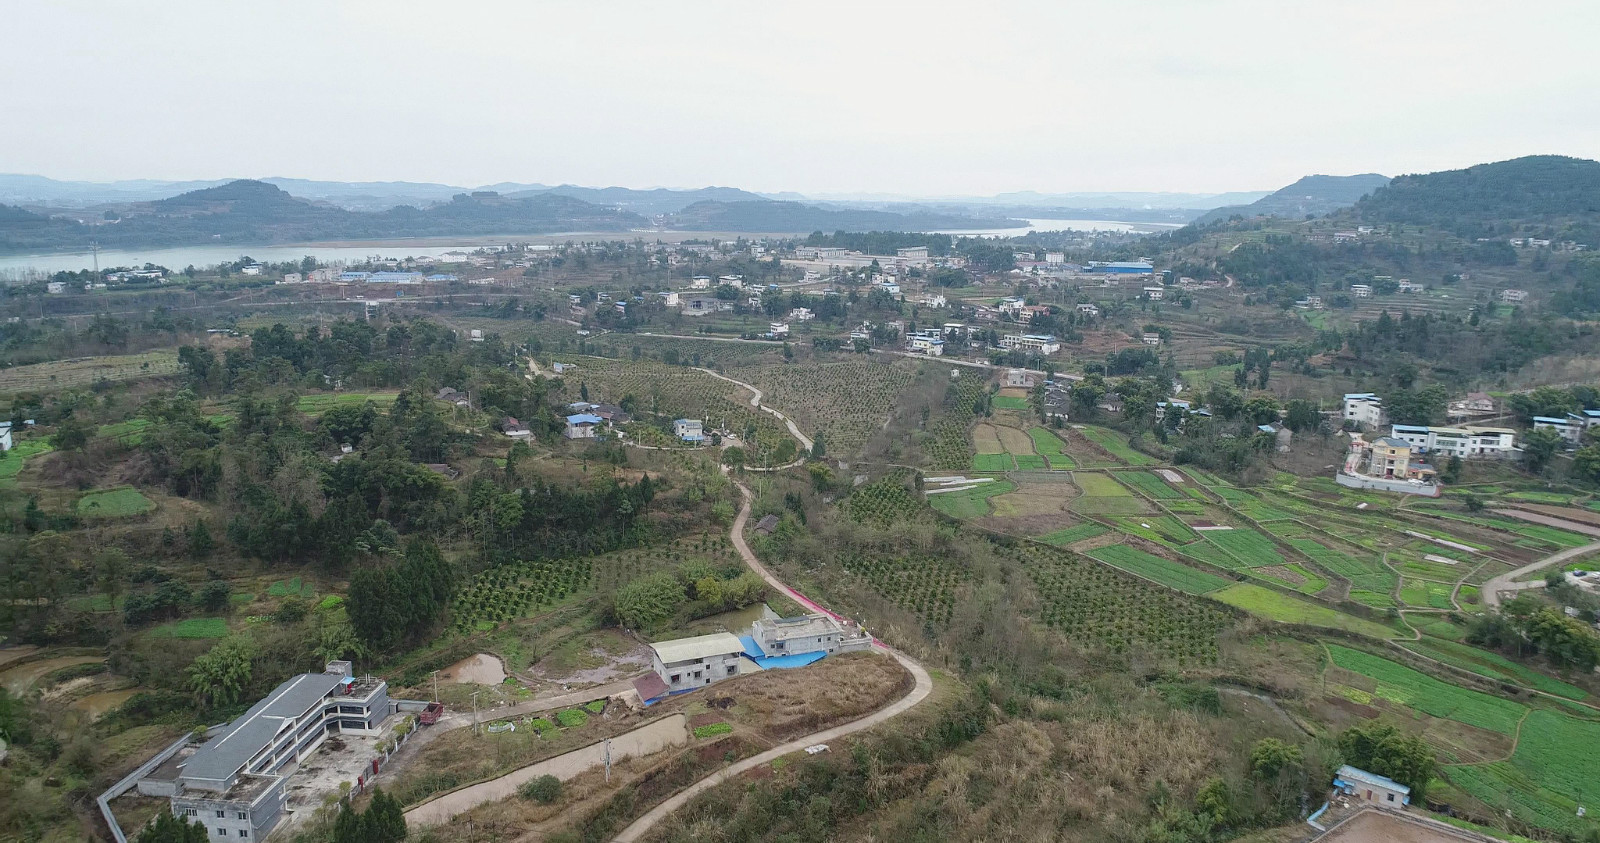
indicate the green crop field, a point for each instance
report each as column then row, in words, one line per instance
column 1400, row 684
column 114, row 503
column 1075, row 533
column 1248, row 546
column 292, row 588
column 1166, row 572
column 1051, row 446
column 971, row 503
column 13, row 461
column 1161, row 529
column 1210, row 554
column 1007, row 402
column 192, row 628
column 1371, row 583
column 1099, row 485
column 1293, row 575
column 992, row 462
column 1116, row 444
column 1031, row 461
column 319, row 403
column 1269, row 604
column 1150, row 484
column 1425, row 594
column 1492, row 665
column 1549, row 774
column 1251, row 505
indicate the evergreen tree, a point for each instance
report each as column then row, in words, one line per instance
column 168, row 828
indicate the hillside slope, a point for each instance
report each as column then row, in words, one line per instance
column 1316, row 195
column 1549, row 191
column 768, row 216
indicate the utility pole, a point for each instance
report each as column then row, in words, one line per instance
column 608, row 764
column 474, row 712
column 436, row 686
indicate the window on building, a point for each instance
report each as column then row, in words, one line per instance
column 732, row 669
column 244, row 832
column 675, row 678
column 222, row 832
column 242, row 815
column 1391, row 797
column 191, row 812
column 221, row 814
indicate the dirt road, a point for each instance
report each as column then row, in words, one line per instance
column 755, row 401
column 919, row 691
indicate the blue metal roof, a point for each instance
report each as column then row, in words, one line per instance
column 753, row 651
column 1550, row 420
column 584, row 418
column 1412, row 428
column 1348, row 396
column 1350, row 773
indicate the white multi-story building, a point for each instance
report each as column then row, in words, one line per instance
column 686, row 663
column 700, row 282
column 778, row 329
column 1042, row 343
column 1361, row 291
column 1155, row 293
column 1513, row 295
column 913, row 253
column 1570, row 428
column 1364, row 408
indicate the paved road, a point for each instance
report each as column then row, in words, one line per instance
column 919, row 691
column 1491, row 590
column 650, row 738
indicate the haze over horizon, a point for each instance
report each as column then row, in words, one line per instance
column 817, row 98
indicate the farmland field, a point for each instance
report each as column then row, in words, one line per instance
column 1165, row 572
column 1006, row 402
column 1547, row 777
column 1161, row 529
column 1116, row 444
column 1097, row 605
column 1248, row 546
column 14, row 460
column 1269, row 604
column 1031, row 462
column 925, row 586
column 319, row 403
column 970, row 503
column 1400, row 684
column 1425, row 594
column 949, row 445
column 83, row 371
column 1104, row 496
column 192, row 628
column 1293, row 575
column 883, row 501
column 114, row 503
column 992, row 462
column 1210, row 554
column 846, row 403
column 1149, row 484
column 1075, row 533
column 507, row 592
column 1051, row 447
column 1371, row 583
column 1493, row 666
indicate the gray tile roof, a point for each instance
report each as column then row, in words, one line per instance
column 223, row 756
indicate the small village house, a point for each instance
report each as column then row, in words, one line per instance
column 812, row 633
column 1371, row 787
column 1365, row 409
column 583, row 426
column 687, row 663
column 689, row 430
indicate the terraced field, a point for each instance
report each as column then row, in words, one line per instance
column 1251, row 548
column 1548, row 776
column 1075, row 534
column 1115, row 444
column 970, row 503
column 1269, row 604
column 846, row 402
column 1493, row 666
column 1104, row 496
column 1163, row 571
column 1150, row 485
column 1403, row 686
column 1050, row 446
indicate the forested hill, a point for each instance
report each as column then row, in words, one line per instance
column 254, row 212
column 1317, row 195
column 1553, row 194
column 659, row 200
column 769, row 216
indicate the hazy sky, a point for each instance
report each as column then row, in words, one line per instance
column 912, row 98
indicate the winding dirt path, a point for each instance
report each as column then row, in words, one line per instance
column 1490, row 592
column 755, row 401
column 924, row 686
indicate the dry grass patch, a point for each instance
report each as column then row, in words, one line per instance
column 1015, row 441
column 986, row 439
column 782, row 704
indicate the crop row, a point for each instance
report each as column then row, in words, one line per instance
column 1163, row 571
column 844, row 402
column 507, row 592
column 923, row 585
column 1097, row 606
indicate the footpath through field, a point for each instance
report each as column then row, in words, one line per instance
column 919, row 692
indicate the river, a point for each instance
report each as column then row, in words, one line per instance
column 23, row 267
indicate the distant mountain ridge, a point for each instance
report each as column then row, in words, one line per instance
column 659, row 200
column 1314, row 195
column 794, row 217
column 255, row 212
